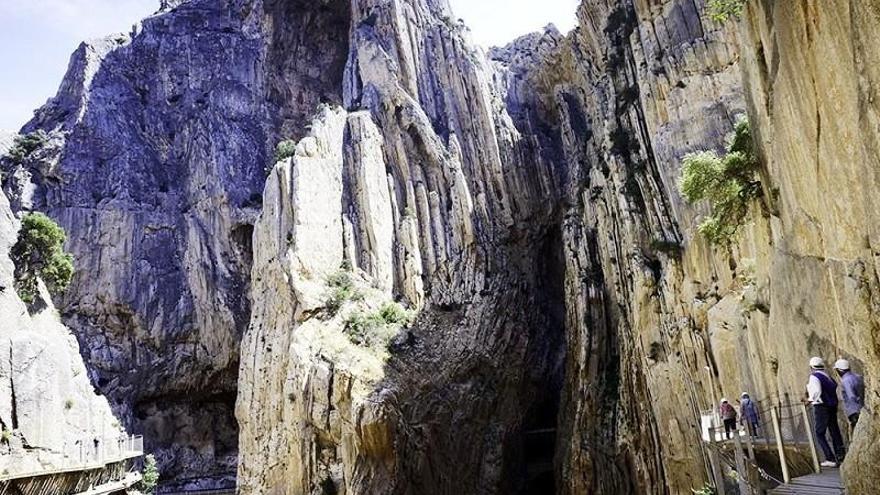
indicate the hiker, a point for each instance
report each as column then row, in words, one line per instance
column 852, row 390
column 749, row 413
column 728, row 414
column 822, row 394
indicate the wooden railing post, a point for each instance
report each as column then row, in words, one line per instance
column 812, row 439
column 716, row 465
column 741, row 473
column 780, row 445
column 751, row 448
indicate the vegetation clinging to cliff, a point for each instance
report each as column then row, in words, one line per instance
column 726, row 182
column 150, row 475
column 377, row 328
column 722, row 10
column 39, row 254
column 285, row 149
column 25, row 145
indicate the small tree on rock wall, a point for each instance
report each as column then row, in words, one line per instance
column 25, row 145
column 39, row 254
column 150, row 476
column 723, row 10
column 726, row 182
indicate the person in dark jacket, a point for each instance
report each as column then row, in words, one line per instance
column 822, row 394
column 749, row 413
column 728, row 415
column 852, row 391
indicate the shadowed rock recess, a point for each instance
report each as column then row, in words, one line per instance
column 252, row 318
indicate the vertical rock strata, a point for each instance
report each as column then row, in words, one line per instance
column 660, row 325
column 524, row 204
column 811, row 79
column 425, row 188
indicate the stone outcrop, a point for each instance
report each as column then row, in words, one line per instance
column 49, row 410
column 426, row 189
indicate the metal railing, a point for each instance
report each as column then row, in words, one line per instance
column 85, row 454
column 784, row 428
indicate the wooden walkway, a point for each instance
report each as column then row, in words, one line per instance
column 827, row 483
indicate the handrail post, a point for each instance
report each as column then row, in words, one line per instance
column 780, row 446
column 812, row 439
column 749, row 446
column 742, row 475
column 716, row 464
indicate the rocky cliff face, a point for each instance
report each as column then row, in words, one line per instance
column 162, row 138
column 48, row 407
column 423, row 187
column 660, row 324
column 570, row 324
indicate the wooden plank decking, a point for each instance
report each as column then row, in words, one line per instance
column 827, row 483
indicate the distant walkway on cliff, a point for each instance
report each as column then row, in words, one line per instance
column 92, row 467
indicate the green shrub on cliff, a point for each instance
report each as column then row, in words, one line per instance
column 150, row 476
column 39, row 254
column 722, row 10
column 25, row 145
column 341, row 289
column 726, row 182
column 379, row 327
column 285, row 149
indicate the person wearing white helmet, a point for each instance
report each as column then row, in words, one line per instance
column 822, row 394
column 749, row 413
column 852, row 390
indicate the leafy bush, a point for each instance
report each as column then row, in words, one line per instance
column 285, row 149
column 393, row 313
column 722, row 10
column 68, row 404
column 705, row 490
column 377, row 328
column 150, row 476
column 727, row 182
column 341, row 290
column 25, row 145
column 39, row 253
column 5, row 436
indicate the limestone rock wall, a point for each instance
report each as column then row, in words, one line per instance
column 660, row 325
column 426, row 189
column 811, row 74
column 48, row 408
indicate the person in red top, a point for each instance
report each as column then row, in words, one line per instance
column 728, row 414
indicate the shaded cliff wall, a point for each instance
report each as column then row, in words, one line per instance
column 636, row 86
column 660, row 324
column 160, row 143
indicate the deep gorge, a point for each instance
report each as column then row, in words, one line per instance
column 570, row 323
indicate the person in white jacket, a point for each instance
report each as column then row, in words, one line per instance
column 822, row 394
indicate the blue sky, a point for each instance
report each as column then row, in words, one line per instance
column 38, row 36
